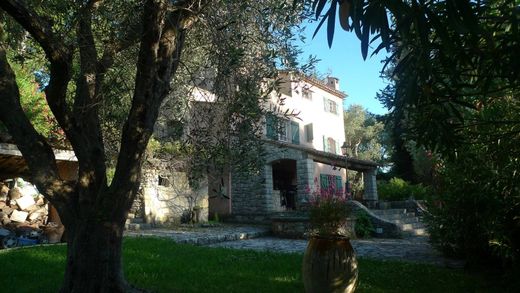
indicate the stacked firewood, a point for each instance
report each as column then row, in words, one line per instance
column 22, row 206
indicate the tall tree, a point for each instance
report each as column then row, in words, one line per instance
column 363, row 134
column 90, row 50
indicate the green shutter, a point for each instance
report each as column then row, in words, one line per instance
column 324, row 182
column 309, row 135
column 295, row 132
column 326, row 105
column 339, row 185
column 270, row 126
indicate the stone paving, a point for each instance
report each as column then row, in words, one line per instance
column 204, row 235
column 415, row 249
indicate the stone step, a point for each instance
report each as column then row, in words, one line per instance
column 137, row 221
column 397, row 216
column 416, row 232
column 137, row 226
column 388, row 212
column 204, row 238
column 412, row 226
column 407, row 220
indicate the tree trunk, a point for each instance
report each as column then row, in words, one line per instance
column 94, row 258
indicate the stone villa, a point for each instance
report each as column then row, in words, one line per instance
column 303, row 153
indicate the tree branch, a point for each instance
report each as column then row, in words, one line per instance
column 59, row 56
column 35, row 149
column 161, row 45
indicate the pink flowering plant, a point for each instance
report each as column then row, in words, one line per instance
column 328, row 211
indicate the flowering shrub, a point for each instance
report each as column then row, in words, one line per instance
column 328, row 211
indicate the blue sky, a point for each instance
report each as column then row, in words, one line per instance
column 357, row 77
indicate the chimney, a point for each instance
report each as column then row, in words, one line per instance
column 332, row 82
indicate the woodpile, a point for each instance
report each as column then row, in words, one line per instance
column 24, row 216
column 22, row 205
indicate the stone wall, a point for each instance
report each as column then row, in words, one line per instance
column 252, row 194
column 137, row 208
column 247, row 193
column 169, row 198
column 370, row 194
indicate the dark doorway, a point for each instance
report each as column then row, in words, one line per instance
column 284, row 180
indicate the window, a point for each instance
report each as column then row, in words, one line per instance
column 295, row 132
column 270, row 125
column 309, row 133
column 331, row 184
column 164, row 181
column 330, row 106
column 307, row 94
column 330, row 145
column 282, row 129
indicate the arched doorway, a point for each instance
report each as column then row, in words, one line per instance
column 285, row 181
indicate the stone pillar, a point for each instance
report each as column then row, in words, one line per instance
column 370, row 195
column 268, row 187
column 305, row 173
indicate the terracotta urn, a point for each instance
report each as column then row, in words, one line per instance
column 329, row 265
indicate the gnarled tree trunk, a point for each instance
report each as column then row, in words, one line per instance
column 94, row 257
column 93, row 212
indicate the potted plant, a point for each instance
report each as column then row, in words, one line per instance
column 329, row 262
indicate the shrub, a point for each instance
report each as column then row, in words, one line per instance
column 363, row 227
column 475, row 214
column 398, row 189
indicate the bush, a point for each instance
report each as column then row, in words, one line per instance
column 475, row 214
column 398, row 189
column 363, row 227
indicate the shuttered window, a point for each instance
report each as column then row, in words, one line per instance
column 330, row 106
column 309, row 135
column 331, row 184
column 270, row 124
column 295, row 132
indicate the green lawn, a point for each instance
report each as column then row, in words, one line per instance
column 163, row 266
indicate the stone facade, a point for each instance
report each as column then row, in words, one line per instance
column 370, row 195
column 168, row 197
column 253, row 194
column 255, row 197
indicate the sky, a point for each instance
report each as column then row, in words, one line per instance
column 358, row 78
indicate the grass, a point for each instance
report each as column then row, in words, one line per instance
column 163, row 266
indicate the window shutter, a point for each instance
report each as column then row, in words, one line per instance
column 270, row 126
column 324, row 182
column 339, row 185
column 326, row 105
column 295, row 135
column 309, row 135
column 337, row 148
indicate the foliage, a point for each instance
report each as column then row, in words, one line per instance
column 363, row 227
column 363, row 134
column 35, row 107
column 451, row 94
column 164, row 266
column 398, row 189
column 364, row 138
column 476, row 209
column 328, row 211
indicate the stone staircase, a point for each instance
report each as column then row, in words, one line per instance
column 136, row 224
column 408, row 222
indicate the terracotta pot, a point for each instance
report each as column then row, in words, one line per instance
column 329, row 265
